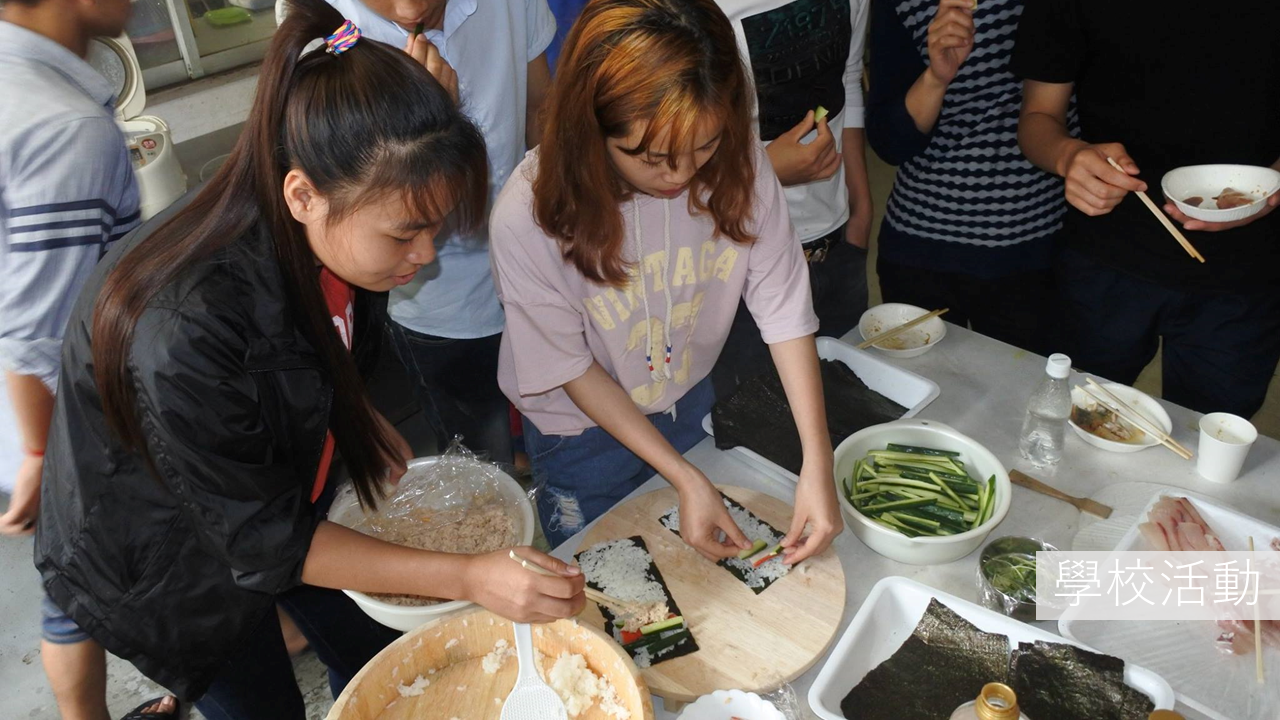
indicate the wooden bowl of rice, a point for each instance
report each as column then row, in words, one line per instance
column 464, row 666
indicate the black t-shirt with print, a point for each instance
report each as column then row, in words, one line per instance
column 1177, row 83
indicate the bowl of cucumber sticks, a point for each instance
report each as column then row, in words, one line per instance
column 920, row 492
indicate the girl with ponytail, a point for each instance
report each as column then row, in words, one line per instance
column 213, row 365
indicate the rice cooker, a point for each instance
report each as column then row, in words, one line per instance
column 155, row 164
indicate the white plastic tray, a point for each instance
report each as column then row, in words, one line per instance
column 1220, row 686
column 901, row 386
column 889, row 615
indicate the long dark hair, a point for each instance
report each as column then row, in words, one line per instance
column 359, row 125
column 670, row 63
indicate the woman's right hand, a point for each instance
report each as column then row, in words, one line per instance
column 500, row 584
column 1094, row 187
column 703, row 518
column 950, row 39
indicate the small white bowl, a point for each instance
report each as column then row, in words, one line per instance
column 916, row 341
column 1207, row 181
column 1137, row 399
column 407, row 617
column 726, row 704
column 921, row 433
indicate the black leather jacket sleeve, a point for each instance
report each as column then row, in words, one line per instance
column 200, row 411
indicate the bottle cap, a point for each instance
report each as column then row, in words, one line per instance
column 1164, row 715
column 1059, row 366
column 997, row 702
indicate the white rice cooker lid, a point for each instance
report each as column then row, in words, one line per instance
column 115, row 60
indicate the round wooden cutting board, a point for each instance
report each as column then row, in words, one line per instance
column 746, row 641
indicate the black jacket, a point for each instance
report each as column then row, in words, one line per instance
column 171, row 573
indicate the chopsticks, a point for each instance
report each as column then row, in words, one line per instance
column 627, row 606
column 1135, row 418
column 1257, row 633
column 901, row 328
column 1168, row 225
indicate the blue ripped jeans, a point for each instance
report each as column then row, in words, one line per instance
column 580, row 477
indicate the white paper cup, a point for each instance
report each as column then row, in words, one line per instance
column 1225, row 440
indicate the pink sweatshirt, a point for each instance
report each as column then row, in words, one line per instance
column 558, row 322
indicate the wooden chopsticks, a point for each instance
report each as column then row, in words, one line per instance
column 1134, row 417
column 626, row 606
column 901, row 328
column 1257, row 634
column 1168, row 225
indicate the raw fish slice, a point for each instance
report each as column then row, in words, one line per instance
column 1154, row 535
column 1191, row 537
column 1170, row 530
column 1195, row 514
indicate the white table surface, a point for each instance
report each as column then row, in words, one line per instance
column 985, row 385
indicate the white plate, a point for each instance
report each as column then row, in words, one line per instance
column 1140, row 401
column 911, row 343
column 901, row 386
column 890, row 614
column 726, row 704
column 1222, row 687
column 1207, row 181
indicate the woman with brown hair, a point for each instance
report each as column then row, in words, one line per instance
column 214, row 363
column 621, row 248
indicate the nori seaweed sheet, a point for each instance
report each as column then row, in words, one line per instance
column 943, row 664
column 946, row 660
column 680, row 649
column 758, row 416
column 737, row 572
column 1065, row 682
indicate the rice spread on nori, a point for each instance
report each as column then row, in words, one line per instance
column 942, row 665
column 758, row 416
column 1065, row 682
column 756, row 578
column 946, row 660
column 625, row 569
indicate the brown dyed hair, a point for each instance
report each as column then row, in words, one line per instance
column 362, row 124
column 668, row 63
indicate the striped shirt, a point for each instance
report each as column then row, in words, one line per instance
column 66, row 192
column 965, row 199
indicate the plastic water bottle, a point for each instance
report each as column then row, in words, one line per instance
column 1045, row 427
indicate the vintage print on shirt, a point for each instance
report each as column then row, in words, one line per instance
column 641, row 311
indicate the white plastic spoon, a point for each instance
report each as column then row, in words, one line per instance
column 531, row 698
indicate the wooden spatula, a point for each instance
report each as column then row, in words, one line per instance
column 1092, row 507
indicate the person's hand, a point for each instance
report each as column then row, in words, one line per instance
column 1190, row 223
column 950, row 39
column 704, row 519
column 858, row 231
column 397, row 465
column 428, row 55
column 1093, row 186
column 500, row 584
column 24, row 503
column 816, row 508
column 795, row 162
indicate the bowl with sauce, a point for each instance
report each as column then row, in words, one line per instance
column 1220, row 193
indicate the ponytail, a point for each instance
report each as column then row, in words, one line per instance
column 332, row 117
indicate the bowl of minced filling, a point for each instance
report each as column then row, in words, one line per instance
column 1220, row 193
column 451, row 504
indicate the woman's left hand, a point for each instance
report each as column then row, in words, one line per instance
column 396, row 466
column 816, row 508
column 428, row 55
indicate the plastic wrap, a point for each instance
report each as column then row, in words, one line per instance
column 453, row 503
column 784, row 698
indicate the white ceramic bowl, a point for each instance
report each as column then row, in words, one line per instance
column 407, row 617
column 1137, row 399
column 726, row 704
column 924, row 433
column 916, row 341
column 1207, row 181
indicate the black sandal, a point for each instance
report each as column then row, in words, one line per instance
column 137, row 714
